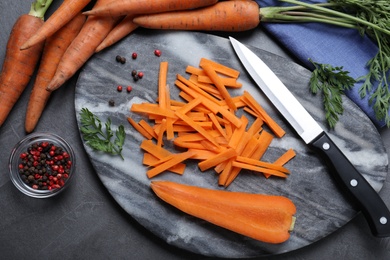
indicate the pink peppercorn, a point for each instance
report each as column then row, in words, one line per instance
column 157, row 53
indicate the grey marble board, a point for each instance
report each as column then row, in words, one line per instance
column 321, row 207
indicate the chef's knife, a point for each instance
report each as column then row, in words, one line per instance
column 371, row 204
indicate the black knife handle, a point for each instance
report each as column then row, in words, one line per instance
column 369, row 201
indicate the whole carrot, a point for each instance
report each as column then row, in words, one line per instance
column 65, row 12
column 122, row 29
column 19, row 66
column 223, row 16
column 130, row 7
column 54, row 48
column 93, row 32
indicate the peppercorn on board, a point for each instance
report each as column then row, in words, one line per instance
column 321, row 207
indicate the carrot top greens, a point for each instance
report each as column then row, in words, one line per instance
column 39, row 8
column 370, row 17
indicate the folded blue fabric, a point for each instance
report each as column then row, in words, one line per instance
column 327, row 44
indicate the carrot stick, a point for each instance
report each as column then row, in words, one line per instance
column 174, row 160
column 120, row 31
column 125, row 7
column 19, row 65
column 55, row 46
column 266, row 218
column 162, row 83
column 276, row 129
column 222, row 16
column 139, row 128
column 82, row 47
column 217, row 159
column 66, row 12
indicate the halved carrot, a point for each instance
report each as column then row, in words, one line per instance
column 263, row 217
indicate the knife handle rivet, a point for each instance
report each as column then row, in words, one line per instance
column 383, row 220
column 353, row 182
column 326, row 146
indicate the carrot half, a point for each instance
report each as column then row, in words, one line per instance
column 222, row 16
column 19, row 65
column 55, row 46
column 131, row 7
column 93, row 32
column 267, row 218
column 65, row 12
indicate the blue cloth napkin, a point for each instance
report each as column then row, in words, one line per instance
column 327, row 44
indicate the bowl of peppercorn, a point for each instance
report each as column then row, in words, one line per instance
column 41, row 165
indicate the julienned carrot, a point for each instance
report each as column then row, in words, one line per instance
column 19, row 66
column 55, row 47
column 205, row 126
column 222, row 16
column 120, row 31
column 267, row 218
column 131, row 7
column 65, row 12
column 94, row 30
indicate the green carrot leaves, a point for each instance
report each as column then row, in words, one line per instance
column 98, row 138
column 332, row 82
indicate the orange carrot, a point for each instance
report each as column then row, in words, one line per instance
column 94, row 31
column 66, row 12
column 268, row 218
column 207, row 127
column 55, row 46
column 173, row 160
column 126, row 7
column 121, row 30
column 223, row 16
column 19, row 66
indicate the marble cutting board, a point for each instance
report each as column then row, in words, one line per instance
column 321, row 207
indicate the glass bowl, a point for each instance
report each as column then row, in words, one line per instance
column 42, row 165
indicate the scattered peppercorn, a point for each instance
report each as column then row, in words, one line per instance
column 120, row 59
column 140, row 74
column 44, row 166
column 111, row 103
column 119, row 88
column 157, row 53
column 134, row 55
column 133, row 73
column 129, row 89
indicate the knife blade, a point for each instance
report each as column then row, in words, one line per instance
column 368, row 200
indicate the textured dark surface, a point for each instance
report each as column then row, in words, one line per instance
column 86, row 222
column 321, row 208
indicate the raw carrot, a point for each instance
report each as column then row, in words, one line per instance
column 223, row 16
column 267, row 218
column 19, row 65
column 94, row 30
column 207, row 127
column 55, row 46
column 172, row 161
column 65, row 12
column 126, row 7
column 120, row 31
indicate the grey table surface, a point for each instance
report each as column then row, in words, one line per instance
column 86, row 222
